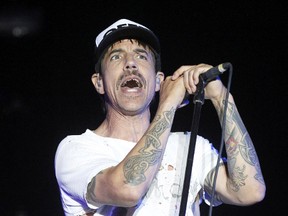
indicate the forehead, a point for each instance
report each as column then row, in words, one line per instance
column 128, row 43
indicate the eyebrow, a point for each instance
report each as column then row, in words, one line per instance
column 137, row 50
column 115, row 51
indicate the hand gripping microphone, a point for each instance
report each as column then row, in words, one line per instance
column 214, row 72
column 208, row 76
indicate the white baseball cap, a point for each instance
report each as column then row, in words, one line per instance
column 125, row 29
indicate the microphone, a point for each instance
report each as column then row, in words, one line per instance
column 206, row 77
column 214, row 72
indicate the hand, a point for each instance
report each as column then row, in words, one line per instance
column 190, row 74
column 172, row 92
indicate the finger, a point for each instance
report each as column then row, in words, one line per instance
column 177, row 74
column 196, row 74
column 180, row 71
column 201, row 68
column 186, row 82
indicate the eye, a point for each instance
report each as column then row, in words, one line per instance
column 142, row 56
column 115, row 57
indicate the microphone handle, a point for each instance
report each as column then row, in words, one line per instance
column 214, row 72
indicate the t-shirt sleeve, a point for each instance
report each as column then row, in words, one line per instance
column 76, row 163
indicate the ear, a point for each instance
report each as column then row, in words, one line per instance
column 98, row 83
column 159, row 78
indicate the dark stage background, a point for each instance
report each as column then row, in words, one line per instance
column 46, row 60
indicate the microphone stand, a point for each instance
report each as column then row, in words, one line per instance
column 198, row 101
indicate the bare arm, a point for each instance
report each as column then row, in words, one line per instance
column 242, row 183
column 126, row 183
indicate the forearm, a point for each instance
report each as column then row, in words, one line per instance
column 127, row 182
column 142, row 163
column 244, row 173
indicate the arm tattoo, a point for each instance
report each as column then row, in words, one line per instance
column 209, row 181
column 249, row 154
column 151, row 153
column 90, row 196
column 239, row 142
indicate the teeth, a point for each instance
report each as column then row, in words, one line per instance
column 131, row 83
column 138, row 84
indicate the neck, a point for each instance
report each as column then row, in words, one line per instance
column 130, row 128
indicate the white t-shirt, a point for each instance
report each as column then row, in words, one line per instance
column 80, row 157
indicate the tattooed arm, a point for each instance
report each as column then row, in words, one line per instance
column 125, row 184
column 242, row 182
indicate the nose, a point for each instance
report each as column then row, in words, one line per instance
column 130, row 63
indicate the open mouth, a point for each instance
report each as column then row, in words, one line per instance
column 132, row 83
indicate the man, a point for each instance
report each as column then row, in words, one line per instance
column 130, row 165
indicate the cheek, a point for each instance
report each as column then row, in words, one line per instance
column 151, row 87
column 108, row 86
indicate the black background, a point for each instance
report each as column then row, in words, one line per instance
column 46, row 92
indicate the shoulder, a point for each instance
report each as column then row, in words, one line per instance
column 75, row 145
column 74, row 140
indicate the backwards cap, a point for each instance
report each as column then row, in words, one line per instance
column 125, row 29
